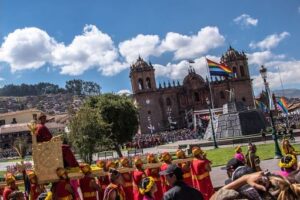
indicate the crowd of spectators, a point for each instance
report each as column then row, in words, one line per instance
column 151, row 140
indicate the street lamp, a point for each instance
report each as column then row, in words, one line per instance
column 263, row 73
column 212, row 123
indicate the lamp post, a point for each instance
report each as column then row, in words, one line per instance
column 263, row 73
column 212, row 123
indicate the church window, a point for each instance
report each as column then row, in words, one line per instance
column 242, row 71
column 148, row 83
column 141, row 84
column 168, row 101
column 149, row 112
column 222, row 95
column 234, row 72
column 197, row 98
column 244, row 99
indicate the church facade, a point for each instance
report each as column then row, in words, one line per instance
column 166, row 105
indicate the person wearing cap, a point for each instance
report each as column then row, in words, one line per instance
column 154, row 173
column 179, row 189
column 239, row 154
column 200, row 169
column 185, row 166
column 114, row 191
column 148, row 188
column 35, row 189
column 166, row 158
column 62, row 190
column 10, row 186
column 252, row 160
column 127, row 176
column 43, row 135
column 103, row 181
column 137, row 175
column 87, row 184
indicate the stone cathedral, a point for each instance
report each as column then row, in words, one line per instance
column 165, row 105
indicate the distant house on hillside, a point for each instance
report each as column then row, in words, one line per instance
column 23, row 116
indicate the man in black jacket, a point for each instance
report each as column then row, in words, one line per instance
column 179, row 190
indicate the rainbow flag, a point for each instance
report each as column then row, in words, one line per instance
column 216, row 69
column 283, row 105
column 261, row 106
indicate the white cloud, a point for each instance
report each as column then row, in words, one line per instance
column 183, row 46
column 32, row 48
column 179, row 70
column 2, row 79
column 141, row 45
column 27, row 48
column 270, row 41
column 260, row 58
column 193, row 46
column 124, row 92
column 92, row 49
column 245, row 20
column 289, row 71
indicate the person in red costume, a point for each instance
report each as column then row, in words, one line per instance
column 127, row 176
column 35, row 188
column 10, row 186
column 166, row 158
column 185, row 167
column 114, row 191
column 103, row 181
column 200, row 169
column 138, row 174
column 88, row 185
column 43, row 135
column 154, row 173
column 62, row 190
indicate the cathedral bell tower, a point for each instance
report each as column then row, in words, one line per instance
column 238, row 63
column 142, row 77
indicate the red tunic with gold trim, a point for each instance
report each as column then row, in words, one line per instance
column 137, row 177
column 34, row 192
column 201, row 178
column 60, row 191
column 154, row 173
column 187, row 176
column 164, row 185
column 103, row 182
column 128, row 186
column 88, row 193
column 7, row 191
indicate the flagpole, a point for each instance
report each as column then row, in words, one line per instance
column 282, row 90
column 210, row 90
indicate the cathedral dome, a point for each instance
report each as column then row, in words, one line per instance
column 193, row 79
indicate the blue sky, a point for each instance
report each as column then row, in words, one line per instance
column 57, row 40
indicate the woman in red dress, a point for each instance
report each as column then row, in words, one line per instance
column 154, row 173
column 167, row 160
column 200, row 169
column 185, row 167
column 138, row 175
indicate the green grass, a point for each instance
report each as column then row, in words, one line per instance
column 220, row 156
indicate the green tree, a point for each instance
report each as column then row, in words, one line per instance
column 87, row 131
column 120, row 113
